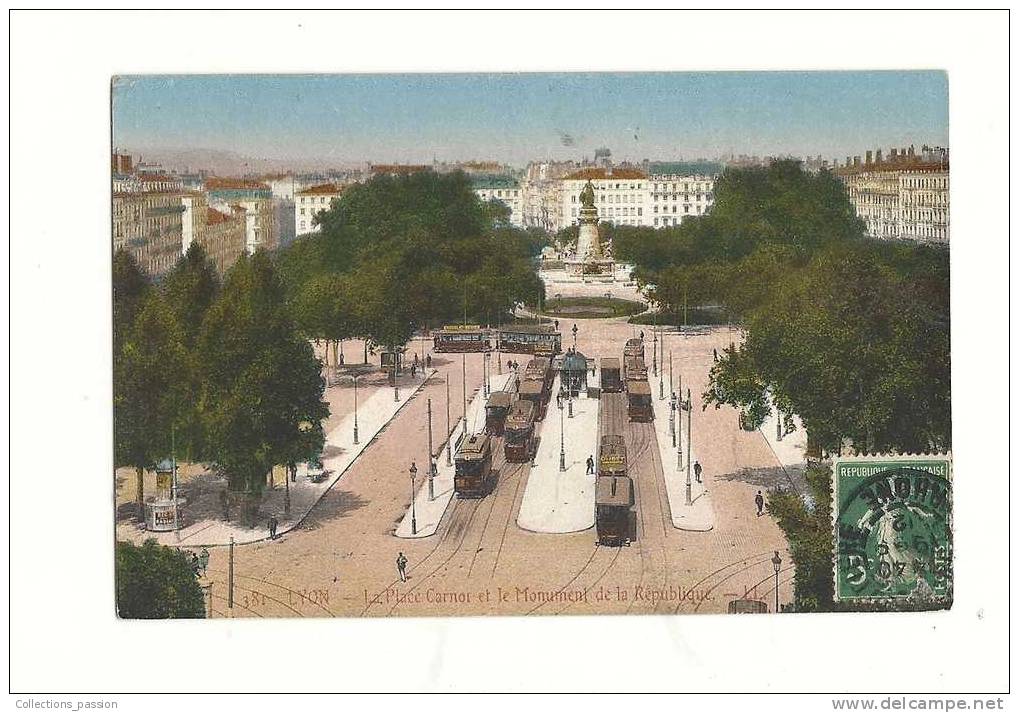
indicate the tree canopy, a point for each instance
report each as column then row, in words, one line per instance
column 156, row 582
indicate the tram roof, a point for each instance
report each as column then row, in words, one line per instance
column 613, row 490
column 500, row 399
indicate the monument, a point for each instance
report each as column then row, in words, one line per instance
column 590, row 259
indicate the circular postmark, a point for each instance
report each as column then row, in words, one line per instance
column 893, row 535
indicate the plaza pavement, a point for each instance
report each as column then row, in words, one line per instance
column 428, row 512
column 699, row 515
column 555, row 501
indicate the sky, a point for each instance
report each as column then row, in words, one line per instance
column 516, row 118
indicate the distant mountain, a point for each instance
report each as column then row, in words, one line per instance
column 227, row 163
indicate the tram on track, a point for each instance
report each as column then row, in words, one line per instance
column 529, row 339
column 519, row 441
column 536, row 385
column 611, row 376
column 634, row 348
column 474, row 477
column 496, row 409
column 615, row 519
column 458, row 339
column 638, row 401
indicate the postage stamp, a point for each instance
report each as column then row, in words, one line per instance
column 893, row 527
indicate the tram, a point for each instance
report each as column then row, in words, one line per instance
column 638, row 401
column 519, row 443
column 612, row 455
column 496, row 409
column 613, row 508
column 457, row 339
column 611, row 377
column 473, row 477
column 529, row 339
column 536, row 385
column 634, row 369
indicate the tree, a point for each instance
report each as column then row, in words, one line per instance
column 156, row 582
column 190, row 289
column 129, row 287
column 262, row 386
column 857, row 349
column 151, row 389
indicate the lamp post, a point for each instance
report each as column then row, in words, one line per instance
column 672, row 388
column 355, row 409
column 661, row 377
column 465, row 395
column 776, row 562
column 654, row 343
column 431, row 459
column 396, row 375
column 562, row 441
column 574, row 337
column 679, row 424
column 672, row 419
column 449, row 430
column 689, row 443
column 413, row 510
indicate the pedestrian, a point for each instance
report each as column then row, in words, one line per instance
column 557, row 325
column 401, row 567
column 590, row 465
column 759, row 500
column 715, row 354
column 414, row 368
column 196, row 566
column 273, row 524
column 428, row 361
column 697, row 470
column 642, row 335
column 203, row 559
column 415, row 360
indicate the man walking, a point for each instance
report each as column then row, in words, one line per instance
column 203, row 559
column 590, row 465
column 273, row 524
column 401, row 567
column 759, row 501
column 697, row 470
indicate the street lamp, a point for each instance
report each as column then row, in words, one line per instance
column 776, row 562
column 562, row 441
column 654, row 343
column 431, row 459
column 465, row 394
column 413, row 510
column 449, row 429
column 355, row 409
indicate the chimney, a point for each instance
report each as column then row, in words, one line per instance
column 868, row 156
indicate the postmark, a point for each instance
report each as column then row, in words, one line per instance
column 892, row 519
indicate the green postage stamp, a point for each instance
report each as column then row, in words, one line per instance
column 893, row 527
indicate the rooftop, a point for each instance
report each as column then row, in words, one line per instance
column 325, row 189
column 595, row 174
column 481, row 182
column 225, row 184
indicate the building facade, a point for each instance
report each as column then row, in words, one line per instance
column 903, row 197
column 225, row 237
column 504, row 189
column 309, row 203
column 675, row 197
column 255, row 197
column 620, row 195
column 149, row 225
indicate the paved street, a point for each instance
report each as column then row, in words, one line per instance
column 341, row 560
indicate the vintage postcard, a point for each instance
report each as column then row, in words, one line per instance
column 531, row 344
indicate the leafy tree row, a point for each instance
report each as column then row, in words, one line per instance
column 397, row 254
column 219, row 372
column 848, row 333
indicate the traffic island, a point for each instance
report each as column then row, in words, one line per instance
column 697, row 514
column 558, row 501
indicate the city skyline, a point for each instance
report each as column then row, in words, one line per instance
column 517, row 118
